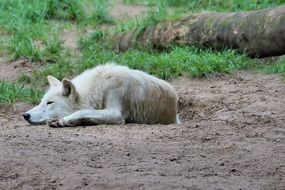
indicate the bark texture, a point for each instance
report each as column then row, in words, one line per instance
column 258, row 33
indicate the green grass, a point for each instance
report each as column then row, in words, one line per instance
column 271, row 66
column 43, row 51
column 30, row 29
column 166, row 65
column 211, row 5
column 10, row 93
column 101, row 15
column 155, row 14
column 64, row 9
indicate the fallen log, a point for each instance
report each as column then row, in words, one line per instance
column 258, row 33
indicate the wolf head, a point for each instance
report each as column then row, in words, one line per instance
column 59, row 101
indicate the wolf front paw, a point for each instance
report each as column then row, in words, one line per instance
column 55, row 123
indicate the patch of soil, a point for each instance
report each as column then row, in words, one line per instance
column 123, row 11
column 232, row 136
column 69, row 38
column 11, row 70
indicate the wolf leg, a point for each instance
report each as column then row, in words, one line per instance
column 90, row 117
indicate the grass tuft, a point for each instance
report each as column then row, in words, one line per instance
column 272, row 66
column 64, row 9
column 11, row 93
column 101, row 15
column 213, row 5
column 179, row 61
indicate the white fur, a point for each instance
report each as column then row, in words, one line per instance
column 108, row 94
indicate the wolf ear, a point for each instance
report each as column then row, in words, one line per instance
column 69, row 89
column 53, row 81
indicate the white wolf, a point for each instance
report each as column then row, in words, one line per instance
column 106, row 94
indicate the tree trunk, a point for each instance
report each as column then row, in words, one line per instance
column 258, row 33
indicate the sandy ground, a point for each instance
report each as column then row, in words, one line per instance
column 232, row 137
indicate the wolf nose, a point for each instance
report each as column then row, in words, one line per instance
column 26, row 116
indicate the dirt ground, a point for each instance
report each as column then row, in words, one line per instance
column 232, row 136
column 122, row 11
column 11, row 70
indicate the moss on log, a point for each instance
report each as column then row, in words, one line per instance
column 258, row 33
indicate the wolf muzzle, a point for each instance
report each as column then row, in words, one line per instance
column 27, row 116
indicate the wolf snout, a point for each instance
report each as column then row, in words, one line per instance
column 27, row 116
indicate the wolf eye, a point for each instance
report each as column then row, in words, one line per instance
column 49, row 102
